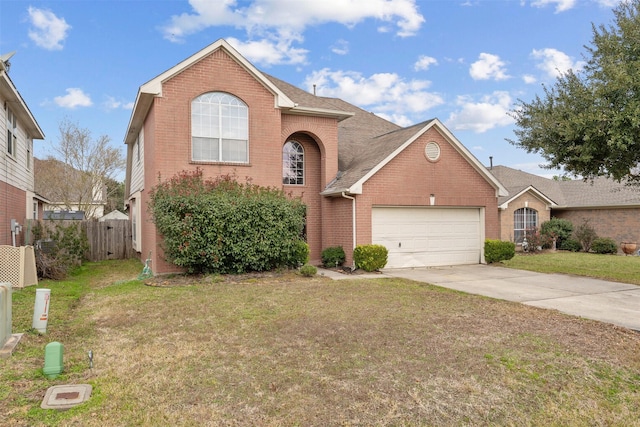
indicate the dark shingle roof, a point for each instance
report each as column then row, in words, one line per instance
column 364, row 139
column 601, row 192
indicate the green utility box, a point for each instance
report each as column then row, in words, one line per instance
column 53, row 354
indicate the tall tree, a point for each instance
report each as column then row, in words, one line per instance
column 77, row 176
column 588, row 122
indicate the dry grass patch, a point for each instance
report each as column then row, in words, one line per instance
column 286, row 350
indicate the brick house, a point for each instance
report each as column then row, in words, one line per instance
column 611, row 208
column 18, row 129
column 416, row 190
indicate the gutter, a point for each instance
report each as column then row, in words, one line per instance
column 353, row 219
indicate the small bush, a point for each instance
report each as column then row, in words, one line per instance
column 571, row 245
column 586, row 234
column 497, row 250
column 308, row 270
column 370, row 257
column 299, row 253
column 536, row 241
column 333, row 256
column 65, row 249
column 604, row 245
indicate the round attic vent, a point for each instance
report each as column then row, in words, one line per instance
column 432, row 151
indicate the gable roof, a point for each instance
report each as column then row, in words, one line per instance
column 599, row 193
column 366, row 142
column 369, row 155
column 153, row 88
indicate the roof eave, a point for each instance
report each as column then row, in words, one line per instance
column 11, row 94
column 319, row 112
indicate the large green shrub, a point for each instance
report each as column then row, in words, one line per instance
column 497, row 250
column 333, row 256
column 558, row 229
column 370, row 257
column 223, row 226
column 604, row 245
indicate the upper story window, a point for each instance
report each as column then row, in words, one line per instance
column 12, row 133
column 29, row 153
column 219, row 128
column 293, row 163
column 524, row 220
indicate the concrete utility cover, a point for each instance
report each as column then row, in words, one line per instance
column 66, row 396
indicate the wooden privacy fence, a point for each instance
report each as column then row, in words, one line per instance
column 107, row 240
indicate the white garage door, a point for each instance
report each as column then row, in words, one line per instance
column 428, row 237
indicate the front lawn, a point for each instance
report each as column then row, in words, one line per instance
column 618, row 268
column 279, row 350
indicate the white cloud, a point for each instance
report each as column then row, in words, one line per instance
column 424, row 62
column 488, row 67
column 113, row 104
column 529, row 79
column 269, row 52
column 554, row 62
column 561, row 5
column 75, row 97
column 490, row 112
column 386, row 94
column 341, row 47
column 47, row 30
column 284, row 21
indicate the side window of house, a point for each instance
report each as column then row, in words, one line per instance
column 11, row 133
column 524, row 221
column 29, row 153
column 219, row 129
column 293, row 163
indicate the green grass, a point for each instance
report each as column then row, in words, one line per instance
column 281, row 349
column 617, row 268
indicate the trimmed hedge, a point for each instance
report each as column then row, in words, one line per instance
column 370, row 257
column 333, row 256
column 604, row 245
column 497, row 250
column 222, row 226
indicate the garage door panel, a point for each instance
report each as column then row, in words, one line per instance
column 418, row 237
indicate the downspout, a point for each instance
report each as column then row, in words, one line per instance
column 353, row 219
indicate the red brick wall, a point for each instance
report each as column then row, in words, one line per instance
column 409, row 179
column 621, row 225
column 168, row 143
column 13, row 202
column 310, row 193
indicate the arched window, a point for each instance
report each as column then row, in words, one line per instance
column 525, row 220
column 293, row 163
column 219, row 128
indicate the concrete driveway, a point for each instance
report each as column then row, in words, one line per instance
column 611, row 302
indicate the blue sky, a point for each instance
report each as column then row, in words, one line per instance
column 465, row 62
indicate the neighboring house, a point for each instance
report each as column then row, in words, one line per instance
column 416, row 190
column 117, row 215
column 68, row 189
column 611, row 208
column 18, row 129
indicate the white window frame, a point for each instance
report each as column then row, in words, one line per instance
column 12, row 134
column 219, row 129
column 524, row 219
column 293, row 163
